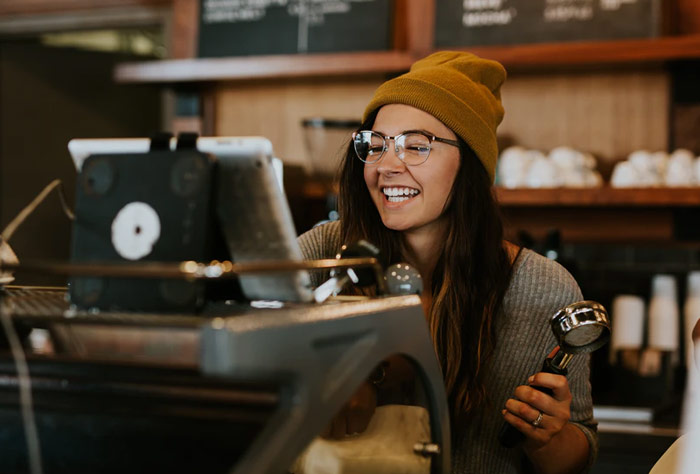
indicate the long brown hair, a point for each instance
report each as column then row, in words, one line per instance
column 469, row 280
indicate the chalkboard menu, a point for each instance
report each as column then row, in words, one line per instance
column 491, row 22
column 256, row 27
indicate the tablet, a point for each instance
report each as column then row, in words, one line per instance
column 252, row 208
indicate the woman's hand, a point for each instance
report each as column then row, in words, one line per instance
column 524, row 410
column 355, row 415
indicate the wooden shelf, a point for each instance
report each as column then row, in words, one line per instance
column 308, row 65
column 662, row 49
column 599, row 197
column 564, row 197
column 263, row 67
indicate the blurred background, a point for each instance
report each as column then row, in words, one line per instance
column 599, row 147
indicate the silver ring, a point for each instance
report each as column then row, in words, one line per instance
column 537, row 420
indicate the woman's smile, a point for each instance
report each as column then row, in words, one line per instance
column 400, row 195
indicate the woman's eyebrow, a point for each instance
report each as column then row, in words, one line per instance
column 412, row 130
column 420, row 130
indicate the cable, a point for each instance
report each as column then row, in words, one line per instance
column 25, row 394
column 31, row 207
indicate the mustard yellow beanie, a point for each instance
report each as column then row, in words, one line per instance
column 461, row 90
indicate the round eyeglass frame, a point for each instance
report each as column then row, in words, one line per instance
column 395, row 138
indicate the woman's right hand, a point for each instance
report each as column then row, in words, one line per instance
column 355, row 415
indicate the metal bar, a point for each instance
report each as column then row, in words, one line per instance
column 189, row 270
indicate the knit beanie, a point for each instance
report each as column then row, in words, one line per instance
column 461, row 90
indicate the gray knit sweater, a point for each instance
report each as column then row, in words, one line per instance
column 538, row 288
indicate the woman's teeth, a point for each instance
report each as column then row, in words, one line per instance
column 399, row 194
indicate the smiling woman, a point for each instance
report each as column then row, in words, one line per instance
column 416, row 182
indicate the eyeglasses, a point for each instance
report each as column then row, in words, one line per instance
column 412, row 147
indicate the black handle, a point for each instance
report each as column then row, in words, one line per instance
column 509, row 436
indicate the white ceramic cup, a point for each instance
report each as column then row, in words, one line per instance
column 680, row 170
column 628, row 313
column 663, row 314
column 625, row 175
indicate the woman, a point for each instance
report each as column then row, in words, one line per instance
column 416, row 181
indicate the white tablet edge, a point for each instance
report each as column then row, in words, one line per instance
column 81, row 148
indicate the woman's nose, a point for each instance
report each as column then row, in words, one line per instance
column 390, row 161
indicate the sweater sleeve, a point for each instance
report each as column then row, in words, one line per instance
column 319, row 243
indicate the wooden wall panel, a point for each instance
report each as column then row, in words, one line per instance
column 686, row 127
column 275, row 109
column 607, row 113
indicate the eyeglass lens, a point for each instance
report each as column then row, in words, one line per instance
column 411, row 148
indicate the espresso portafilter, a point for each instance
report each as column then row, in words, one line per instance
column 580, row 327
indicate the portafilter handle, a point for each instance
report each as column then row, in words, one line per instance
column 509, row 436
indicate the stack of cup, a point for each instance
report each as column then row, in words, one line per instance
column 664, row 321
column 628, row 314
column 663, row 314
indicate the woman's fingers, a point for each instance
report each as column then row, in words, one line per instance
column 537, row 433
column 539, row 415
column 525, row 412
column 542, row 401
column 538, row 427
column 557, row 383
